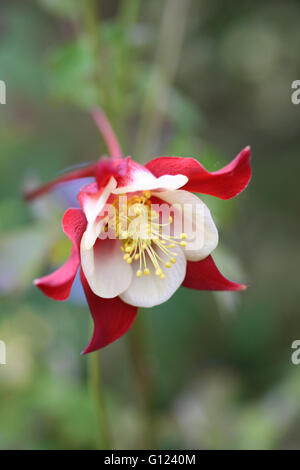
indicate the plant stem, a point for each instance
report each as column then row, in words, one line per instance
column 128, row 13
column 99, row 75
column 95, row 383
column 140, row 359
column 166, row 62
column 91, row 25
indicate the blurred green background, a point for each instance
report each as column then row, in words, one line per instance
column 176, row 77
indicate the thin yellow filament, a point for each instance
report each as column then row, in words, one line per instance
column 138, row 247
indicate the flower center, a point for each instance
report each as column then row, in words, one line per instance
column 144, row 238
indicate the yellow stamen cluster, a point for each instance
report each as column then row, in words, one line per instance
column 137, row 225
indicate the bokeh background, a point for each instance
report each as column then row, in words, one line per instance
column 176, row 77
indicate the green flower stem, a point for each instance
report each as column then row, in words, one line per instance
column 91, row 22
column 128, row 13
column 95, row 383
column 141, row 363
column 169, row 45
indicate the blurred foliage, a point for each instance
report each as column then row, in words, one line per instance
column 73, row 66
column 222, row 361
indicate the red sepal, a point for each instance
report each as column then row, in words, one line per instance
column 204, row 275
column 84, row 172
column 58, row 284
column 112, row 318
column 225, row 183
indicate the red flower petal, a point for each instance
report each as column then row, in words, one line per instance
column 112, row 318
column 225, row 183
column 124, row 170
column 84, row 172
column 108, row 167
column 58, row 284
column 204, row 275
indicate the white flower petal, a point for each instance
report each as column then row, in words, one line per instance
column 92, row 232
column 202, row 234
column 148, row 291
column 107, row 273
column 144, row 180
column 92, row 208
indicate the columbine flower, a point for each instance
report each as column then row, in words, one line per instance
column 129, row 254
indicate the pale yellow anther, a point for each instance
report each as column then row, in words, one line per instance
column 146, row 237
column 147, row 194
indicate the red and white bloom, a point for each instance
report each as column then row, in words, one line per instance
column 134, row 257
